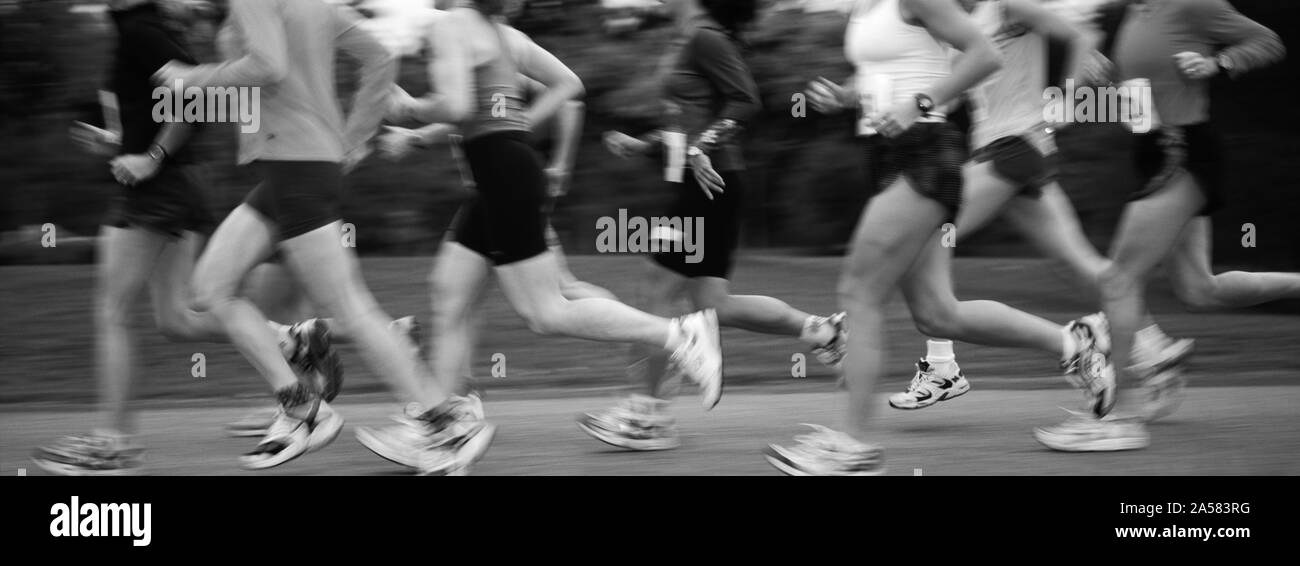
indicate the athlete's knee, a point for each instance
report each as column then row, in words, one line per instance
column 173, row 325
column 860, row 290
column 1196, row 293
column 935, row 318
column 544, row 319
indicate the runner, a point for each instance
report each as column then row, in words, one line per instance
column 151, row 236
column 1176, row 46
column 709, row 95
column 475, row 68
column 301, row 151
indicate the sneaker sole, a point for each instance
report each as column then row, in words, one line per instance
column 289, row 454
column 59, row 468
column 788, row 468
column 381, row 449
column 634, row 445
column 324, row 432
column 1108, row 445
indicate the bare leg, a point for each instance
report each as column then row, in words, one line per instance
column 894, row 228
column 127, row 257
column 331, row 276
column 754, row 313
column 1148, row 231
column 1201, row 289
column 456, row 284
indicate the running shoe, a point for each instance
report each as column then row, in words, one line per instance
column 699, row 357
column 825, row 452
column 832, row 353
column 1164, row 382
column 1085, row 432
column 316, row 358
column 433, row 444
column 258, row 422
column 636, row 423
column 289, row 437
column 91, row 454
column 1090, row 368
column 929, row 386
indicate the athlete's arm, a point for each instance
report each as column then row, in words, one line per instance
column 450, row 71
column 562, row 84
column 1083, row 43
column 720, row 60
column 568, row 131
column 266, row 53
column 378, row 72
column 1249, row 44
column 948, row 23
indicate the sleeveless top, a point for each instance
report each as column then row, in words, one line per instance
column 498, row 104
column 1009, row 102
column 893, row 58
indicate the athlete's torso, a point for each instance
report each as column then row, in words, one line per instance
column 880, row 43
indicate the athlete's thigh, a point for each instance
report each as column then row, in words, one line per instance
column 1191, row 257
column 1150, row 226
column 328, row 271
column 895, row 226
column 170, row 284
column 127, row 259
column 929, row 280
column 243, row 240
column 984, row 196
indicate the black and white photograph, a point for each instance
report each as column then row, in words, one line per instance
column 432, row 238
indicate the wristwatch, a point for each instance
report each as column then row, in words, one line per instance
column 1224, row 62
column 157, row 153
column 924, row 102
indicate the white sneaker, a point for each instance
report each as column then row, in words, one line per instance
column 325, row 426
column 1164, row 382
column 825, row 452
column 449, row 447
column 1084, row 432
column 699, row 356
column 288, row 438
column 636, row 423
column 931, row 385
column 1090, row 369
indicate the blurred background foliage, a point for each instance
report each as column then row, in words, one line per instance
column 806, row 179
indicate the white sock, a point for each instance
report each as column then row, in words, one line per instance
column 939, row 352
column 1068, row 345
column 816, row 331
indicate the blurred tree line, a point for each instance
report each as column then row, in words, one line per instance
column 807, row 186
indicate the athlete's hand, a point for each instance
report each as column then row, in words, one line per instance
column 135, row 168
column 170, row 72
column 625, row 146
column 557, row 181
column 401, row 105
column 708, row 179
column 897, row 119
column 97, row 141
column 827, row 97
column 396, row 143
column 1196, row 66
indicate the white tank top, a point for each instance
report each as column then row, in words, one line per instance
column 1009, row 102
column 894, row 60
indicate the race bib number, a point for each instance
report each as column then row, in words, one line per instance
column 875, row 93
column 675, row 144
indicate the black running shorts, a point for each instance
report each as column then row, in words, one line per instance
column 170, row 203
column 506, row 221
column 930, row 154
column 298, row 196
column 715, row 246
column 1197, row 149
column 1019, row 162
